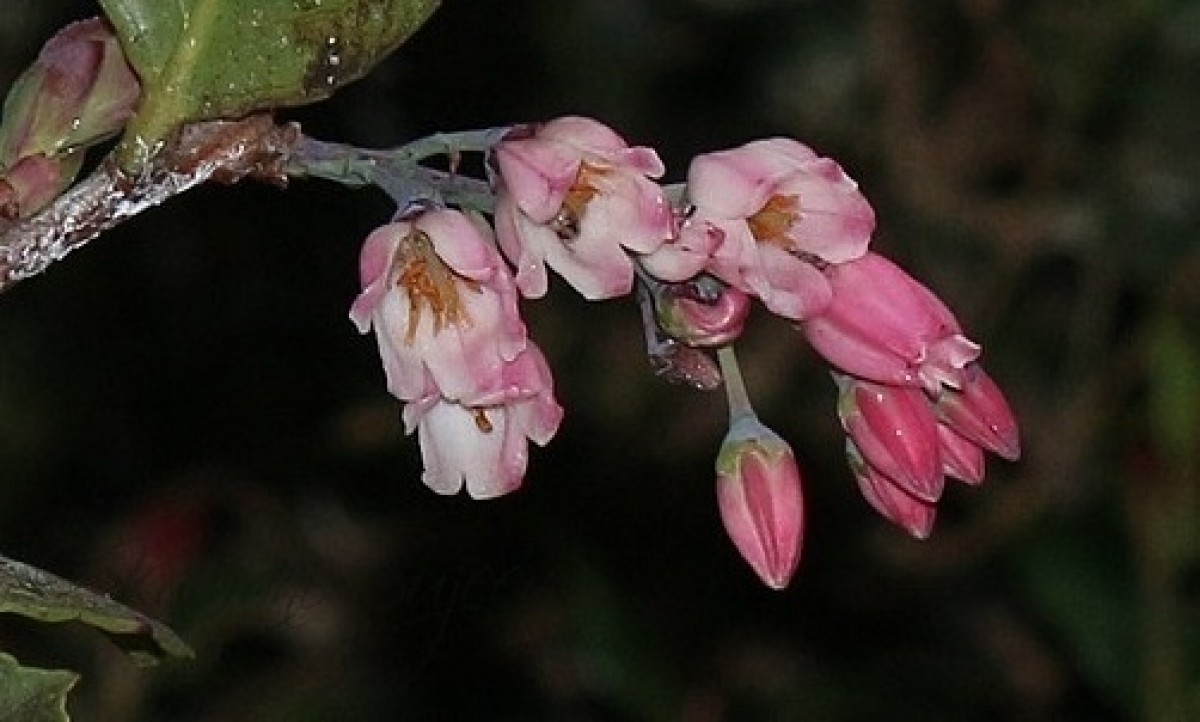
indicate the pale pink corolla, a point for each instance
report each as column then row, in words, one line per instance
column 782, row 213
column 484, row 446
column 760, row 500
column 895, row 430
column 915, row 516
column 576, row 197
column 442, row 304
column 885, row 326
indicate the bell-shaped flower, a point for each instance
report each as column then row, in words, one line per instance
column 442, row 304
column 701, row 312
column 576, row 197
column 782, row 213
column 913, row 515
column 78, row 92
column 483, row 446
column 884, row 326
column 895, row 430
column 760, row 500
column 978, row 411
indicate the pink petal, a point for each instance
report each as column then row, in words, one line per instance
column 895, row 504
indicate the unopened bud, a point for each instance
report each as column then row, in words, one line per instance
column 980, row 413
column 906, row 511
column 961, row 458
column 78, row 92
column 883, row 325
column 702, row 312
column 759, row 495
column 32, row 183
column 896, row 431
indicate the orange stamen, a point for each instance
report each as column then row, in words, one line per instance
column 581, row 192
column 429, row 282
column 773, row 221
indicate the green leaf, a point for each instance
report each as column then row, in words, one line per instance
column 36, row 594
column 204, row 59
column 29, row 694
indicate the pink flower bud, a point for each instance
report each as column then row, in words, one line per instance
column 961, row 458
column 781, row 213
column 896, row 431
column 979, row 412
column 701, row 312
column 759, row 496
column 33, row 182
column 906, row 511
column 884, row 326
column 574, row 196
column 80, row 91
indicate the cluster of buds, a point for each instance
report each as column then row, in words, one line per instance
column 770, row 220
column 80, row 91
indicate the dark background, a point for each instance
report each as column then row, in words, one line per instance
column 189, row 422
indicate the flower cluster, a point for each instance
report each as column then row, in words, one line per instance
column 770, row 220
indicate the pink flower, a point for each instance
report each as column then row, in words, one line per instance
column 759, row 496
column 444, row 309
column 574, row 196
column 896, row 432
column 978, row 412
column 915, row 516
column 884, row 326
column 781, row 213
column 484, row 445
column 442, row 304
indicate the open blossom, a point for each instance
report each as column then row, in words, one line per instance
column 444, row 309
column 576, row 197
column 781, row 213
column 883, row 325
column 483, row 446
column 442, row 304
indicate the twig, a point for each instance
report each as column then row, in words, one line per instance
column 225, row 151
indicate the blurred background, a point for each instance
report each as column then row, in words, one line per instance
column 189, row 422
